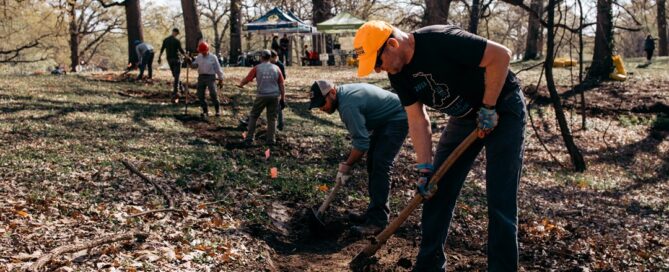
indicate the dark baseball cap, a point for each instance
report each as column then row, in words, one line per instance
column 319, row 89
column 265, row 53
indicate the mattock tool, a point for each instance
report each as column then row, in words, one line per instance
column 379, row 240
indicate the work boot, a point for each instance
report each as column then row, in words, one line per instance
column 367, row 229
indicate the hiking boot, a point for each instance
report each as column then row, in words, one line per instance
column 247, row 142
column 218, row 114
column 367, row 229
column 204, row 116
column 279, row 127
column 357, row 218
column 175, row 99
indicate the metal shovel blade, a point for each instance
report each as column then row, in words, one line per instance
column 316, row 224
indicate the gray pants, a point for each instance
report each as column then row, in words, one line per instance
column 272, row 106
column 280, row 120
column 175, row 68
column 504, row 153
column 385, row 143
column 204, row 82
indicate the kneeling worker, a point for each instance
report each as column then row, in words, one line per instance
column 363, row 108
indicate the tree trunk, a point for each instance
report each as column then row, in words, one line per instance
column 191, row 25
column 133, row 18
column 235, row 30
column 474, row 16
column 602, row 64
column 580, row 63
column 217, row 40
column 533, row 32
column 74, row 39
column 574, row 152
column 321, row 12
column 436, row 12
column 662, row 28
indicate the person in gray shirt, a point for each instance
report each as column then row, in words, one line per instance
column 270, row 93
column 207, row 68
column 144, row 58
column 363, row 108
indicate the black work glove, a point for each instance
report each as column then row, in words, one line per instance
column 282, row 104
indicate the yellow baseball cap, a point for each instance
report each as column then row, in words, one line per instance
column 368, row 40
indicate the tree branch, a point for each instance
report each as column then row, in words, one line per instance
column 627, row 28
column 133, row 169
column 140, row 236
column 105, row 5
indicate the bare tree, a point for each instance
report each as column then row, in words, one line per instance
column 191, row 25
column 574, row 152
column 436, row 12
column 663, row 49
column 21, row 41
column 321, row 12
column 88, row 26
column 235, row 29
column 533, row 31
column 133, row 18
column 15, row 55
column 474, row 16
column 216, row 11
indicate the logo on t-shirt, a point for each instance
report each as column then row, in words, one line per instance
column 439, row 96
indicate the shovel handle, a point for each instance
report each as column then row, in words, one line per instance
column 382, row 237
column 330, row 197
column 186, row 90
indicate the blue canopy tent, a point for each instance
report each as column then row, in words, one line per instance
column 279, row 21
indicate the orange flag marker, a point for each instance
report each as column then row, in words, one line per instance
column 273, row 173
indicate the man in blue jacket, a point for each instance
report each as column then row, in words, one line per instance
column 364, row 108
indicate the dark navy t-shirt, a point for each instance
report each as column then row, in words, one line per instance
column 444, row 73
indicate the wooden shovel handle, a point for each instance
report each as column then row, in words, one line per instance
column 330, row 197
column 382, row 237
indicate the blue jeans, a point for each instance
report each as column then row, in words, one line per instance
column 385, row 144
column 504, row 153
column 147, row 61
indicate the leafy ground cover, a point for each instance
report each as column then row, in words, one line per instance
column 62, row 140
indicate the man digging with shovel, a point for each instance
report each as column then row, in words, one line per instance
column 362, row 108
column 468, row 78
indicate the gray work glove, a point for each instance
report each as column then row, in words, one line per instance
column 343, row 174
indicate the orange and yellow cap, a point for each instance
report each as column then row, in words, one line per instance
column 368, row 40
